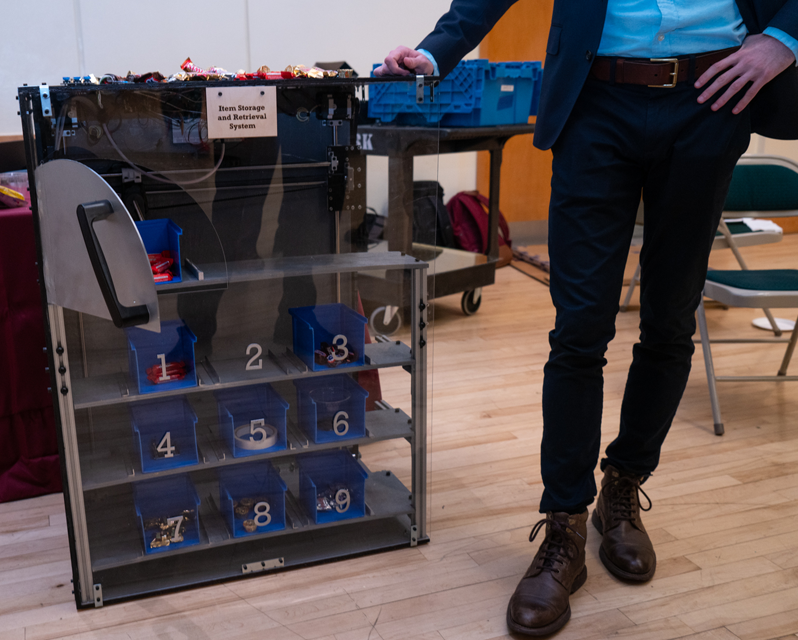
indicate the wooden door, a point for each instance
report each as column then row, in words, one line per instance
column 526, row 172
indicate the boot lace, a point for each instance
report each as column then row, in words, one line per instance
column 622, row 495
column 556, row 546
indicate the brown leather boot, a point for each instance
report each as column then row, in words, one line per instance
column 626, row 549
column 540, row 605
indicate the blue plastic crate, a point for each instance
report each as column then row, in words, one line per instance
column 325, row 323
column 165, row 434
column 243, row 408
column 162, row 235
column 172, row 499
column 260, row 483
column 175, row 343
column 477, row 93
column 331, row 408
column 337, row 471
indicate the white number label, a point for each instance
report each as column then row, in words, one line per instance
column 340, row 424
column 262, row 516
column 340, row 347
column 178, row 521
column 252, row 365
column 162, row 358
column 256, row 429
column 165, row 446
column 342, row 500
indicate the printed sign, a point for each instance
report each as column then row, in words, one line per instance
column 364, row 141
column 241, row 112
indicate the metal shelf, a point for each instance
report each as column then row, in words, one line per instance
column 301, row 548
column 119, row 464
column 222, row 374
column 218, row 275
column 120, row 544
column 92, row 388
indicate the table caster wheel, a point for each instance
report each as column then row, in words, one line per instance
column 471, row 301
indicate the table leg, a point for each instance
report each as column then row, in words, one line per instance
column 493, row 202
column 399, row 226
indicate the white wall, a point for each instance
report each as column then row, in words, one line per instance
column 786, row 148
column 48, row 39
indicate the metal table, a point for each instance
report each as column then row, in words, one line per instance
column 456, row 271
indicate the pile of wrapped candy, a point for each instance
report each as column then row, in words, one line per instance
column 332, row 355
column 10, row 198
column 333, row 498
column 161, row 532
column 190, row 71
column 161, row 265
column 158, row 374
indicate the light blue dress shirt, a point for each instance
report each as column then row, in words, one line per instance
column 667, row 28
column 435, row 70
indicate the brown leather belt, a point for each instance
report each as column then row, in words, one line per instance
column 656, row 72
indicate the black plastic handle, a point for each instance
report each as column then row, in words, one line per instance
column 88, row 214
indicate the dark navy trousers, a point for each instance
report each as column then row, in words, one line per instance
column 619, row 141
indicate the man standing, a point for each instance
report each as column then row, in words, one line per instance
column 639, row 96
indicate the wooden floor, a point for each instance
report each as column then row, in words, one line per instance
column 724, row 521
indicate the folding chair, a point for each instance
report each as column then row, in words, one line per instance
column 762, row 187
column 775, row 288
column 729, row 236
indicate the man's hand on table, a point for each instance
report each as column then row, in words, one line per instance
column 404, row 61
column 759, row 60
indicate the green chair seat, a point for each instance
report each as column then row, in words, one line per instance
column 762, row 187
column 737, row 227
column 757, row 280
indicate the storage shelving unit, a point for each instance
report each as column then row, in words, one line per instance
column 269, row 223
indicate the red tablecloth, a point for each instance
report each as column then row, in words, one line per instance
column 28, row 447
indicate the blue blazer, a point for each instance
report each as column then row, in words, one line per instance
column 576, row 29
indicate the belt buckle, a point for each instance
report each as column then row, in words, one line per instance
column 674, row 74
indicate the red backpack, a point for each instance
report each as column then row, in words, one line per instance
column 469, row 216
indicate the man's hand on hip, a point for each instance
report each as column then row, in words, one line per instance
column 403, row 61
column 759, row 60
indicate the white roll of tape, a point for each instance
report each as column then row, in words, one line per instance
column 255, row 436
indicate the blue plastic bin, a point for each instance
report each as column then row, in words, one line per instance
column 259, row 482
column 477, row 93
column 331, row 408
column 169, row 424
column 239, row 407
column 164, row 499
column 162, row 235
column 323, row 323
column 175, row 342
column 337, row 469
